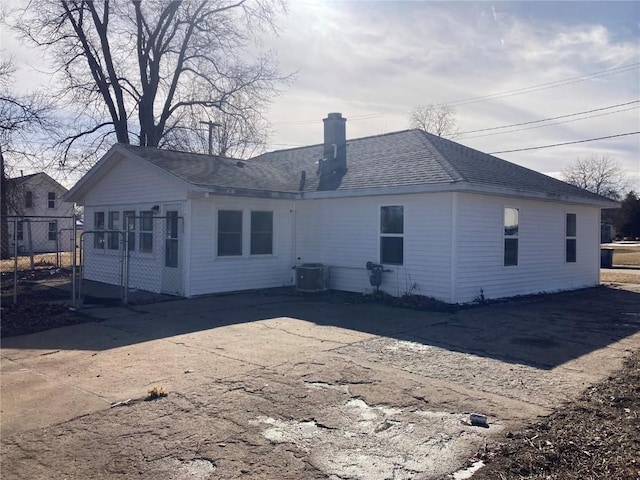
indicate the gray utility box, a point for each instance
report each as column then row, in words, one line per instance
column 312, row 277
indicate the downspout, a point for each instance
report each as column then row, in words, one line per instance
column 454, row 247
column 294, row 234
column 186, row 247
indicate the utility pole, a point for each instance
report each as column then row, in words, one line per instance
column 211, row 125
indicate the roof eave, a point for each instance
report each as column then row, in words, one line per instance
column 206, row 191
column 461, row 187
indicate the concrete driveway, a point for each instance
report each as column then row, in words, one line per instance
column 321, row 387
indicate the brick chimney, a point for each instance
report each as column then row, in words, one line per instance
column 335, row 146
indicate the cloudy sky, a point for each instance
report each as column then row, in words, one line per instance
column 374, row 61
column 498, row 63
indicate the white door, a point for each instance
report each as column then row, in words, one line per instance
column 172, row 262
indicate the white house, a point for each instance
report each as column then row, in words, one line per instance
column 446, row 221
column 40, row 214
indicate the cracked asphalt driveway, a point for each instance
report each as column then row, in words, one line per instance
column 268, row 385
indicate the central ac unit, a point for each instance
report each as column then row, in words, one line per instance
column 312, row 277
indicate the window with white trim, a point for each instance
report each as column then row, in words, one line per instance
column 392, row 235
column 129, row 221
column 261, row 233
column 146, row 231
column 113, row 238
column 98, row 226
column 53, row 231
column 51, row 200
column 229, row 233
column 511, row 226
column 570, row 250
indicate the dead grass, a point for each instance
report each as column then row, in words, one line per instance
column 626, row 255
column 596, row 437
column 41, row 260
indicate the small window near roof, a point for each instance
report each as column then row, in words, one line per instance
column 146, row 231
column 570, row 240
column 53, row 231
column 392, row 235
column 98, row 226
column 28, row 199
column 229, row 233
column 113, row 237
column 261, row 233
column 511, row 226
column 51, row 200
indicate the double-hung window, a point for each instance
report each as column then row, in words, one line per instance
column 570, row 238
column 53, row 231
column 129, row 220
column 113, row 237
column 51, row 200
column 261, row 233
column 98, row 226
column 392, row 235
column 28, row 199
column 146, row 231
column 511, row 226
column 20, row 230
column 229, row 233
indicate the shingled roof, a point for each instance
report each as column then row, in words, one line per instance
column 409, row 158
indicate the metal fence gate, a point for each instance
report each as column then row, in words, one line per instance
column 96, row 265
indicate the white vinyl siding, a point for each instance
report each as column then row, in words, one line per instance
column 344, row 233
column 130, row 183
column 541, row 248
column 211, row 273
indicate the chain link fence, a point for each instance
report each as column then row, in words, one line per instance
column 33, row 249
column 123, row 254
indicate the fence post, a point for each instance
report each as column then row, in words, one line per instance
column 73, row 262
column 125, row 266
column 30, row 243
column 15, row 260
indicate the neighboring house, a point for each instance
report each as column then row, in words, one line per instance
column 445, row 220
column 42, row 215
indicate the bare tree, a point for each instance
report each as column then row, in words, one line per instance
column 22, row 117
column 138, row 71
column 235, row 136
column 599, row 174
column 436, row 119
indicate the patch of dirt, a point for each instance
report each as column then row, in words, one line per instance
column 595, row 437
column 26, row 317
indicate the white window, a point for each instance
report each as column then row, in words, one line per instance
column 53, row 231
column 229, row 233
column 511, row 226
column 392, row 235
column 146, row 231
column 261, row 233
column 129, row 220
column 98, row 226
column 51, row 200
column 570, row 240
column 113, row 238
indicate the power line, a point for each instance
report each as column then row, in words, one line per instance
column 565, row 143
column 545, row 86
column 551, row 124
column 497, row 95
column 549, row 119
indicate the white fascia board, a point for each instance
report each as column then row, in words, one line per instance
column 459, row 187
